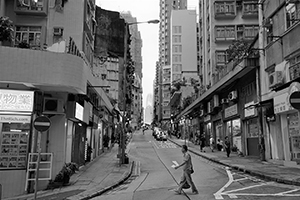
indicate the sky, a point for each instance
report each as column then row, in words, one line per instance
column 143, row 10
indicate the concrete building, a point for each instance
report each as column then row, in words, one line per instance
column 280, row 77
column 136, row 56
column 49, row 74
column 228, row 82
column 166, row 7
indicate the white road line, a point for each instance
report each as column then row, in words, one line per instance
column 218, row 194
column 241, row 179
column 155, row 145
column 283, row 193
column 244, row 188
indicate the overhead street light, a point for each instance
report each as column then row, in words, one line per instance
column 122, row 142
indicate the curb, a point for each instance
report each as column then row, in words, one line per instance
column 253, row 173
column 126, row 175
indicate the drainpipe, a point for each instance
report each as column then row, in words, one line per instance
column 261, row 66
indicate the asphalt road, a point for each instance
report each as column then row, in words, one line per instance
column 154, row 178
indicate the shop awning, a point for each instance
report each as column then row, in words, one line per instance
column 237, row 72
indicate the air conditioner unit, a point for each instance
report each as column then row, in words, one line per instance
column 232, row 95
column 209, row 110
column 58, row 31
column 201, row 113
column 224, row 101
column 53, row 106
column 275, row 78
column 216, row 101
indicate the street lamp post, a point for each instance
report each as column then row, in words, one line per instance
column 122, row 138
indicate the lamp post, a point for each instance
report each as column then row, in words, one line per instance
column 122, row 142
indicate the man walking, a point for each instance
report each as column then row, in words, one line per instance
column 187, row 171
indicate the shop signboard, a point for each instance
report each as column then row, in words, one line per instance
column 281, row 103
column 16, row 100
column 231, row 111
column 249, row 110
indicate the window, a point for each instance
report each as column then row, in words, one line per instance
column 294, row 69
column 225, row 8
column 177, row 38
column 177, row 67
column 103, row 76
column 13, row 144
column 221, row 57
column 177, row 29
column 292, row 14
column 176, row 58
column 28, row 34
column 177, row 48
column 30, row 5
column 250, row 31
column 250, row 8
column 225, row 32
column 88, row 49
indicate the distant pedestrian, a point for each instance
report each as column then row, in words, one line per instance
column 187, row 171
column 211, row 144
column 202, row 142
column 227, row 146
column 219, row 144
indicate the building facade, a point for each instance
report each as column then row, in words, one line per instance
column 166, row 8
column 54, row 42
column 280, row 79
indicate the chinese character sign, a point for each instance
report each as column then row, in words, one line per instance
column 16, row 100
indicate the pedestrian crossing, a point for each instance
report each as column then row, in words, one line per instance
column 164, row 145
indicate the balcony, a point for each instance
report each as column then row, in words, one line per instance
column 250, row 10
column 47, row 71
column 28, row 7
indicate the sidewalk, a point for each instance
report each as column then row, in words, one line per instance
column 95, row 178
column 253, row 166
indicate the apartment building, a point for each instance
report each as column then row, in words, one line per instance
column 166, row 7
column 279, row 37
column 228, row 81
column 136, row 56
column 47, row 70
column 166, row 93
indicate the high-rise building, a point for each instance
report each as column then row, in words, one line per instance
column 166, row 7
column 136, row 56
column 221, row 23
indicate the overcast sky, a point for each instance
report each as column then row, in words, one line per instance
column 143, row 10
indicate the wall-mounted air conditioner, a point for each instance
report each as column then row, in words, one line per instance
column 53, row 106
column 224, row 101
column 209, row 108
column 275, row 78
column 232, row 95
column 216, row 100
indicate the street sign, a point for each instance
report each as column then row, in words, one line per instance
column 42, row 123
column 295, row 100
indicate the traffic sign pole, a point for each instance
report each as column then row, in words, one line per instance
column 37, row 167
column 41, row 124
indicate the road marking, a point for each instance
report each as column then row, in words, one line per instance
column 218, row 194
column 233, row 194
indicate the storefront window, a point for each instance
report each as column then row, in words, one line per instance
column 294, row 135
column 13, row 145
column 233, row 131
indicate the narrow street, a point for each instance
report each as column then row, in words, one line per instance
column 154, row 178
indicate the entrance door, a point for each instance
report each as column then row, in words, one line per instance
column 252, row 137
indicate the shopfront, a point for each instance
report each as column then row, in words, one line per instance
column 207, row 128
column 15, row 135
column 233, row 127
column 289, row 124
column 251, row 129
